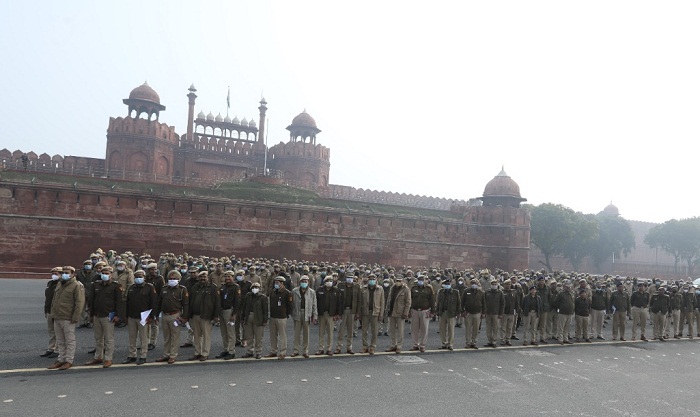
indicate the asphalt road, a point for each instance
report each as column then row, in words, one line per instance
column 599, row 379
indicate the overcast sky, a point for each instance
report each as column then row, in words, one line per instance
column 584, row 103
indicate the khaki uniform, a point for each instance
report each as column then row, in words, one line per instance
column 173, row 303
column 422, row 305
column 372, row 305
column 397, row 310
column 66, row 308
column 449, row 306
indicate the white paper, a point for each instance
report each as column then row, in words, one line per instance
column 144, row 316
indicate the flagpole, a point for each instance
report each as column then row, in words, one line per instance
column 228, row 100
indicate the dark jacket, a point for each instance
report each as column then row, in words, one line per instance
column 174, row 300
column 105, row 299
column 256, row 304
column 204, row 301
column 354, row 295
column 582, row 307
column 531, row 303
column 619, row 300
column 48, row 295
column 564, row 303
column 141, row 298
column 448, row 303
column 424, row 297
column 281, row 303
column 230, row 295
column 329, row 301
column 494, row 302
column 599, row 300
column 473, row 301
column 660, row 303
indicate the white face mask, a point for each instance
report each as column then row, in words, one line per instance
column 348, row 280
column 54, row 277
column 386, row 285
column 255, row 290
column 120, row 268
column 329, row 284
column 172, row 282
column 494, row 287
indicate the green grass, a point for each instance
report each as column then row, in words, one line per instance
column 250, row 191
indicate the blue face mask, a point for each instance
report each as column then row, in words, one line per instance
column 277, row 286
column 65, row 277
column 239, row 277
column 139, row 281
column 447, row 286
column 183, row 271
column 105, row 277
column 88, row 267
column 304, row 284
column 372, row 282
column 420, row 283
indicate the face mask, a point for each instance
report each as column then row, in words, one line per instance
column 94, row 261
column 421, row 283
column 342, row 269
column 105, row 277
column 255, row 290
column 65, row 277
column 474, row 286
column 139, row 280
column 328, row 284
column 120, row 268
column 304, row 284
column 447, row 286
column 54, row 277
column 399, row 283
column 685, row 290
column 277, row 286
column 239, row 277
column 172, row 282
column 143, row 266
column 88, row 267
column 494, row 287
column 386, row 285
column 460, row 282
column 349, row 280
column 183, row 271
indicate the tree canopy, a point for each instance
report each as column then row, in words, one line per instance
column 680, row 239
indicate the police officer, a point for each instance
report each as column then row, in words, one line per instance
column 281, row 306
column 564, row 304
column 330, row 306
column 397, row 309
column 372, row 310
column 106, row 310
column 230, row 295
column 448, row 308
column 531, row 310
column 51, row 351
column 173, row 304
column 511, row 308
column 141, row 297
column 619, row 305
column 304, row 312
column 422, row 308
column 350, row 293
column 154, row 278
column 687, row 307
column 204, row 307
column 255, row 312
column 660, row 306
column 472, row 310
column 66, row 307
column 639, row 301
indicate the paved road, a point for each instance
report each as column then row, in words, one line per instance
column 600, row 379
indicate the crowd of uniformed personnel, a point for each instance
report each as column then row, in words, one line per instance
column 243, row 296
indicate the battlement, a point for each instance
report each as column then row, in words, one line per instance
column 300, row 149
column 78, row 165
column 343, row 192
column 142, row 127
column 231, row 146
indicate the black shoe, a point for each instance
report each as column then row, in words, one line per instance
column 186, row 345
column 129, row 360
column 248, row 355
column 387, row 334
column 141, row 361
column 151, row 346
column 229, row 356
column 89, row 325
column 54, row 354
column 222, row 355
column 600, row 338
column 514, row 338
column 238, row 343
column 46, row 354
column 91, row 351
column 257, row 356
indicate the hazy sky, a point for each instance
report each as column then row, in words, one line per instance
column 584, row 103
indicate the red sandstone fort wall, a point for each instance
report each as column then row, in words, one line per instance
column 44, row 226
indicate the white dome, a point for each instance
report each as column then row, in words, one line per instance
column 218, row 118
column 210, row 116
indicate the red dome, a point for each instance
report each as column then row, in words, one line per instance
column 303, row 119
column 502, row 186
column 144, row 92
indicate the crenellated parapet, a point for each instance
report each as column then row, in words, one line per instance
column 299, row 149
column 343, row 192
column 128, row 126
column 58, row 163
